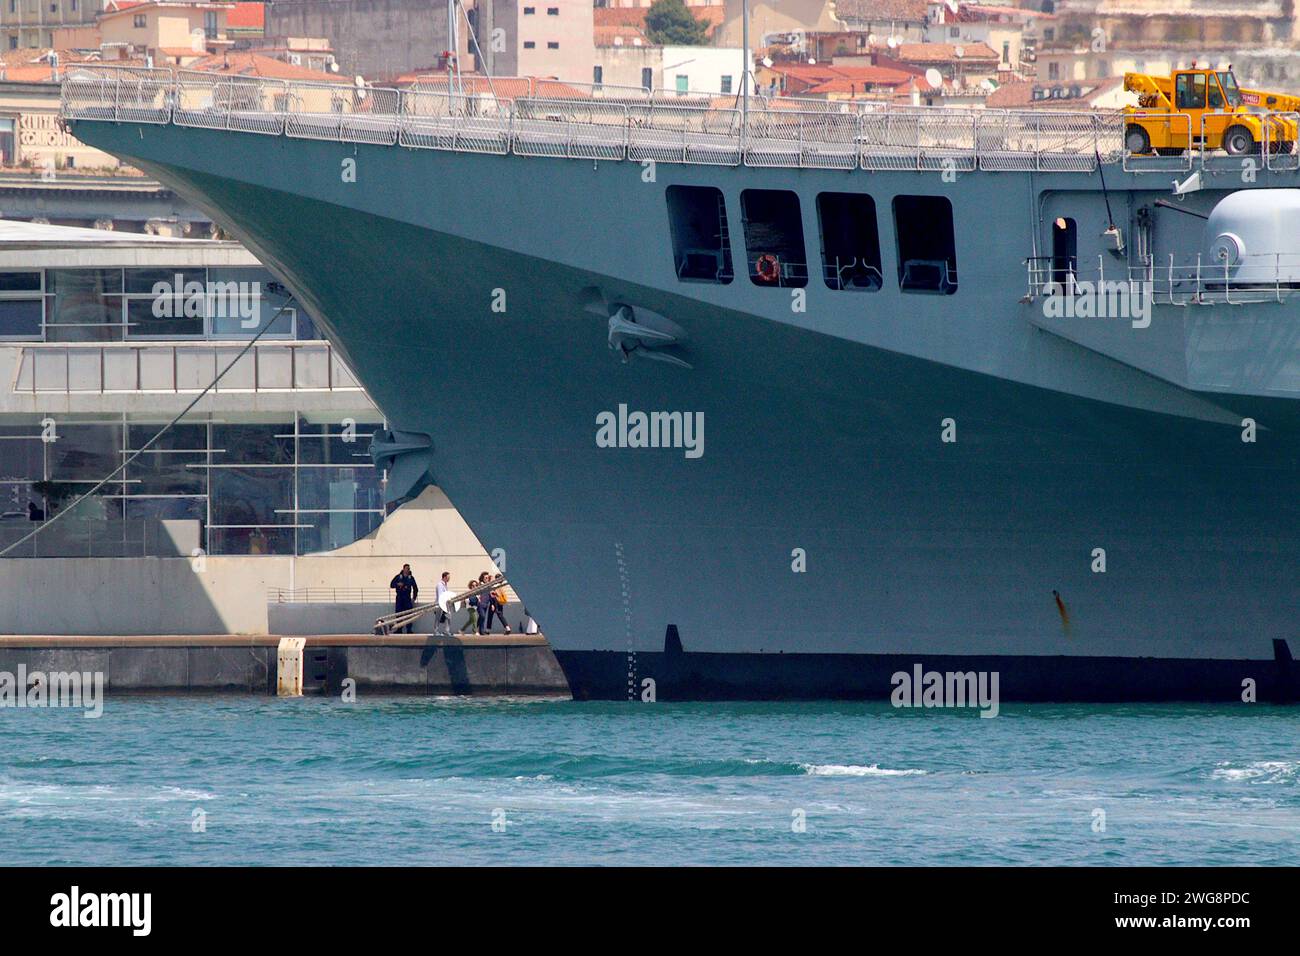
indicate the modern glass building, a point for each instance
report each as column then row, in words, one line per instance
column 104, row 338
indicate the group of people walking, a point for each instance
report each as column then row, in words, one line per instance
column 484, row 608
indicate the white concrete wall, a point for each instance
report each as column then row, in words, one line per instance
column 228, row 594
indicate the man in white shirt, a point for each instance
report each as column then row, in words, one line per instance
column 443, row 623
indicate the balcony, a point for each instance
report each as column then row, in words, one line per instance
column 181, row 367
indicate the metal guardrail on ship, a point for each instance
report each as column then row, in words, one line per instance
column 565, row 120
column 1189, row 280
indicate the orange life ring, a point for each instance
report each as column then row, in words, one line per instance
column 768, row 268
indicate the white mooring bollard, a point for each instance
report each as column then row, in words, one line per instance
column 288, row 666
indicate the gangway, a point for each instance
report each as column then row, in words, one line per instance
column 400, row 619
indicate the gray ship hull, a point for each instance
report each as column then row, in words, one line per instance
column 827, row 536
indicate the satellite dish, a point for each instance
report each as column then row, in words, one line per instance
column 812, row 61
column 988, row 84
column 959, row 51
column 892, row 42
column 767, row 62
column 334, row 66
column 360, row 82
column 934, row 77
column 871, row 39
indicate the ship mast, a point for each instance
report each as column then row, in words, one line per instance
column 453, row 60
column 744, row 74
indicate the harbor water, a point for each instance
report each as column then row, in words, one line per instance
column 255, row 780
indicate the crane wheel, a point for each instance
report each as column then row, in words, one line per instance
column 1237, row 141
column 1137, row 140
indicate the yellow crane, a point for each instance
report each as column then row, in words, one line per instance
column 1219, row 114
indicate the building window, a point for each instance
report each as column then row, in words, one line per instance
column 697, row 221
column 850, row 242
column 1053, row 70
column 774, row 237
column 598, row 75
column 683, row 83
column 529, row 11
column 83, row 305
column 530, row 45
column 21, row 306
column 927, row 246
column 1049, row 34
column 552, row 11
column 552, row 44
column 725, row 85
column 1006, row 51
column 647, row 78
column 139, row 21
column 210, row 24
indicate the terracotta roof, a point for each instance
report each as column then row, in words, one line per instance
column 254, row 64
column 821, row 78
column 944, row 52
column 911, row 11
column 1013, row 95
column 247, row 16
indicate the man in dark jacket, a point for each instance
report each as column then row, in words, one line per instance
column 407, row 591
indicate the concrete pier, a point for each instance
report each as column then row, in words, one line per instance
column 419, row 664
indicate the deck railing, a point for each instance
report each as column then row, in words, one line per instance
column 549, row 118
column 1169, row 280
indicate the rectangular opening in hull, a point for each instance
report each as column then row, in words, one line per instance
column 774, row 246
column 927, row 247
column 850, row 242
column 697, row 220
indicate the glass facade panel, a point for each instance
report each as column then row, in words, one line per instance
column 143, row 281
column 85, row 453
column 334, row 487
column 83, row 305
column 107, row 305
column 336, row 444
column 240, row 303
column 151, row 317
column 248, row 496
column 325, row 532
column 174, row 465
column 259, row 444
column 250, row 488
column 20, row 282
column 20, row 318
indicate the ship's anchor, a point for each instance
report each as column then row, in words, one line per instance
column 637, row 331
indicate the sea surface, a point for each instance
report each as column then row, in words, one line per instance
column 254, row 780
